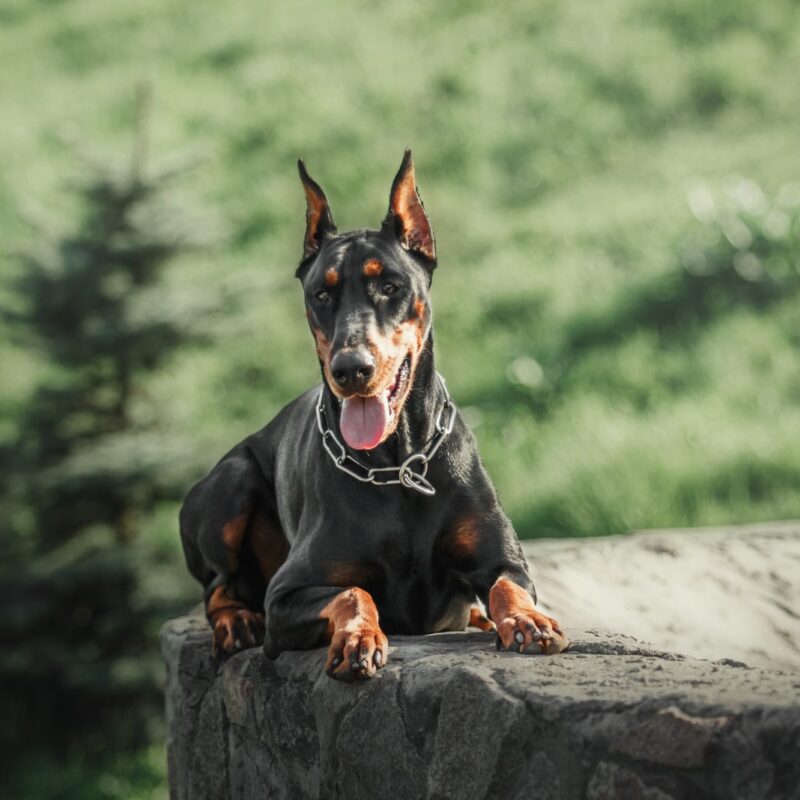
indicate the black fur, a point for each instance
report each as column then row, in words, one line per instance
column 395, row 541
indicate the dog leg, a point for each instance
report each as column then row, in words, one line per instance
column 358, row 647
column 520, row 627
column 234, row 624
column 477, row 619
column 233, row 544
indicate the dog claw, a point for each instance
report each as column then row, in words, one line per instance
column 528, row 632
column 355, row 656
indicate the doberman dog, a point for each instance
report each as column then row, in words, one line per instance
column 362, row 509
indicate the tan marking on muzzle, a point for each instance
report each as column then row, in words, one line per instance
column 388, row 352
column 323, row 344
column 324, row 352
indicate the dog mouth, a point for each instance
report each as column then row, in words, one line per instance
column 365, row 421
column 399, row 385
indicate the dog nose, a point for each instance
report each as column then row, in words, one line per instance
column 352, row 370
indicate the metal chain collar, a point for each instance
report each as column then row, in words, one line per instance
column 385, row 476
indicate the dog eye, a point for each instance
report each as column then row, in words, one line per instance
column 388, row 288
column 322, row 296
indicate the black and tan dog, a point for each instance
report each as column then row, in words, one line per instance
column 363, row 508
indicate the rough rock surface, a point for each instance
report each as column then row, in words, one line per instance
column 714, row 593
column 450, row 717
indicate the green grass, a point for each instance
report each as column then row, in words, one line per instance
column 555, row 146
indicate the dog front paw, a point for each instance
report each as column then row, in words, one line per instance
column 356, row 654
column 530, row 632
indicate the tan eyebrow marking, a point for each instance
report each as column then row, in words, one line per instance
column 373, row 267
column 331, row 276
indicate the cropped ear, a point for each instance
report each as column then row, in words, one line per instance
column 407, row 214
column 319, row 220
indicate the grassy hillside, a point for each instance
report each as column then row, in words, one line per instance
column 578, row 161
column 555, row 147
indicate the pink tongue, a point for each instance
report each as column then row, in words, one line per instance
column 363, row 421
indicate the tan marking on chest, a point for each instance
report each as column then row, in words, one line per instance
column 349, row 573
column 455, row 618
column 462, row 541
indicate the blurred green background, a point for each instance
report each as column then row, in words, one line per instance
column 614, row 190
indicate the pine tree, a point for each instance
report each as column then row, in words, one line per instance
column 83, row 468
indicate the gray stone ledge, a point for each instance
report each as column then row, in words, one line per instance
column 694, row 591
column 450, row 717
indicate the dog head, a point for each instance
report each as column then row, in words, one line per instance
column 367, row 302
